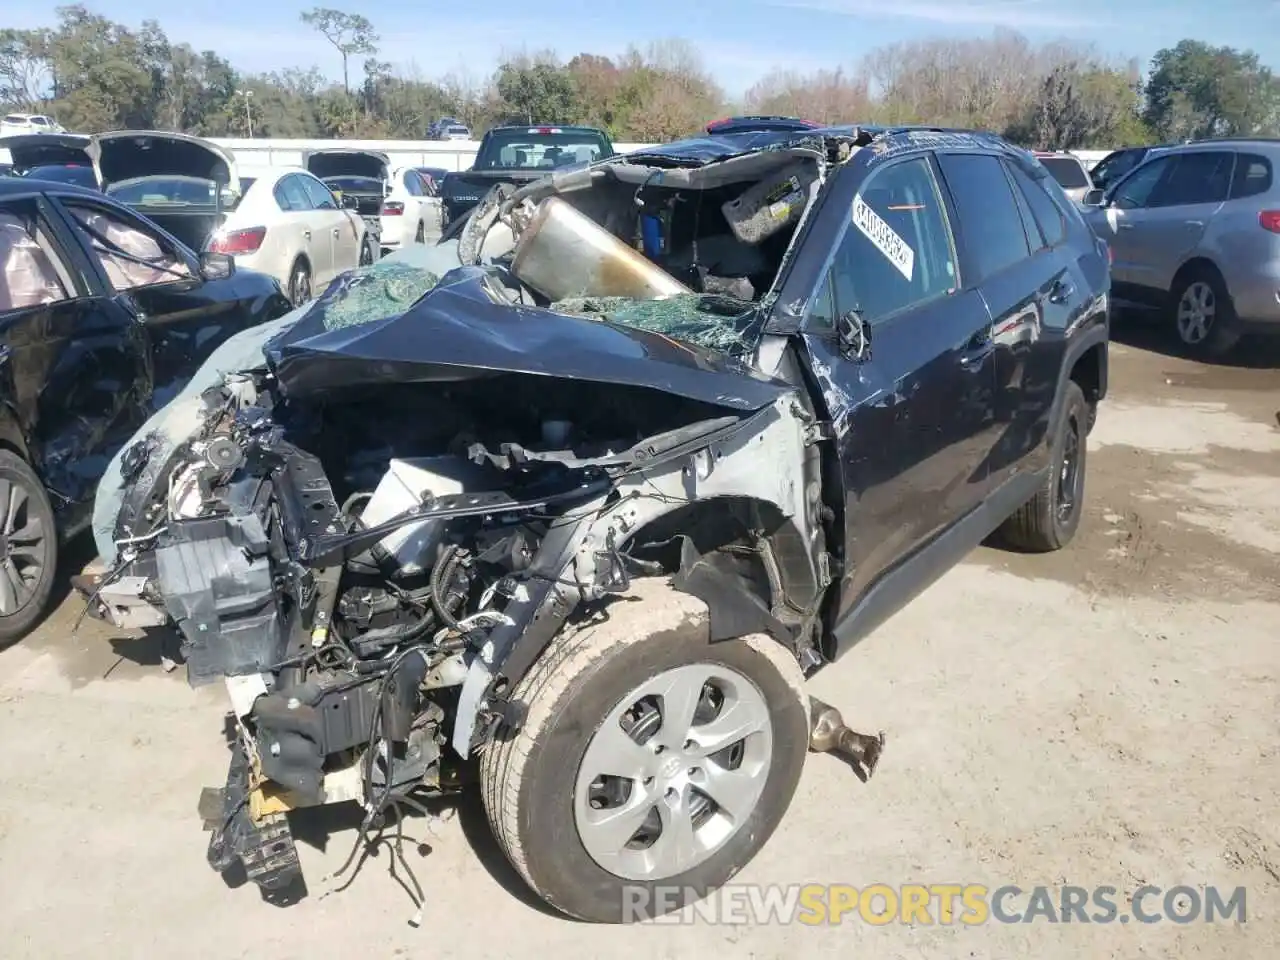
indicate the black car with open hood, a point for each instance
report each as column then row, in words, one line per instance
column 358, row 174
column 184, row 183
column 60, row 157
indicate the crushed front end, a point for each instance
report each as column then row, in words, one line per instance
column 370, row 534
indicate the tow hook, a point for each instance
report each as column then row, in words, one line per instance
column 829, row 734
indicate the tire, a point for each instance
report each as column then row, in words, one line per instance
column 368, row 253
column 300, row 291
column 421, row 235
column 1204, row 318
column 1048, row 521
column 28, row 549
column 534, row 783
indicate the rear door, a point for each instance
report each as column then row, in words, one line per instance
column 148, row 273
column 73, row 360
column 909, row 389
column 315, row 222
column 295, row 231
column 998, row 237
column 335, row 223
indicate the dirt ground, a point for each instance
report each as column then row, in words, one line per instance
column 1104, row 716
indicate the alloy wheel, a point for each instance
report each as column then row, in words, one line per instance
column 22, row 548
column 1069, row 472
column 1197, row 310
column 673, row 772
column 300, row 291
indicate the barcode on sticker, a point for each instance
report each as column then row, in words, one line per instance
column 884, row 237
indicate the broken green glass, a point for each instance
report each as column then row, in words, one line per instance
column 707, row 320
column 375, row 292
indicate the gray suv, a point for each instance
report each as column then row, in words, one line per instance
column 1195, row 229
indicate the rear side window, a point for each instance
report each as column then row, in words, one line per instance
column 320, row 196
column 290, row 195
column 1252, row 177
column 1046, row 213
column 412, row 183
column 990, row 224
column 1068, row 171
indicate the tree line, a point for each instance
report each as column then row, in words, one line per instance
column 93, row 74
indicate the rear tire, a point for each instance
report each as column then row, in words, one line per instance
column 1204, row 317
column 28, row 548
column 547, row 805
column 368, row 252
column 421, row 235
column 1048, row 521
column 300, row 283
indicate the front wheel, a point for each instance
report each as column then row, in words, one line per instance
column 653, row 764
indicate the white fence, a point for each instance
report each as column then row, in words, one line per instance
column 449, row 154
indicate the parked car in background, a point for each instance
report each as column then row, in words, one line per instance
column 410, row 212
column 754, row 124
column 15, row 123
column 103, row 317
column 1195, row 232
column 185, row 184
column 288, row 224
column 447, row 128
column 1068, row 170
column 432, row 176
column 60, row 157
column 361, row 175
column 518, row 155
column 1118, row 163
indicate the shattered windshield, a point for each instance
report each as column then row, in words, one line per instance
column 381, row 290
column 706, row 320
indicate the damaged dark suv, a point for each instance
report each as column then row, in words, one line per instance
column 592, row 516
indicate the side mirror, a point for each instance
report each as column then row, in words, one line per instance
column 1093, row 198
column 854, row 334
column 349, row 202
column 217, row 266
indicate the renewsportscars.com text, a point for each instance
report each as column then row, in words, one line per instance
column 939, row 903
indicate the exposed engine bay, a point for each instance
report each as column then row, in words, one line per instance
column 371, row 535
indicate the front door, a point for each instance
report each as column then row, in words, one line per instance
column 161, row 286
column 909, row 385
column 73, row 368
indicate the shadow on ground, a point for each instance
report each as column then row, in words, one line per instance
column 1149, row 330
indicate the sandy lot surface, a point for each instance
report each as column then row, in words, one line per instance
column 1103, row 716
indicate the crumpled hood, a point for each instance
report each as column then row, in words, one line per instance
column 416, row 315
column 459, row 330
column 130, row 154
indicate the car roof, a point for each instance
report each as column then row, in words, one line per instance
column 562, row 127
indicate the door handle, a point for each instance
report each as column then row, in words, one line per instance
column 1195, row 223
column 306, row 234
column 336, row 231
column 1061, row 291
column 976, row 351
column 973, row 358
column 1124, row 226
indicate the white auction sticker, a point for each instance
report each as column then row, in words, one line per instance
column 884, row 237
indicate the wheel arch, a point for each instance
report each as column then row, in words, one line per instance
column 1193, row 265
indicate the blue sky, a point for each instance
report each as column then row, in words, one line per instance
column 740, row 40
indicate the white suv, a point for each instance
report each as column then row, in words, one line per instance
column 14, row 123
